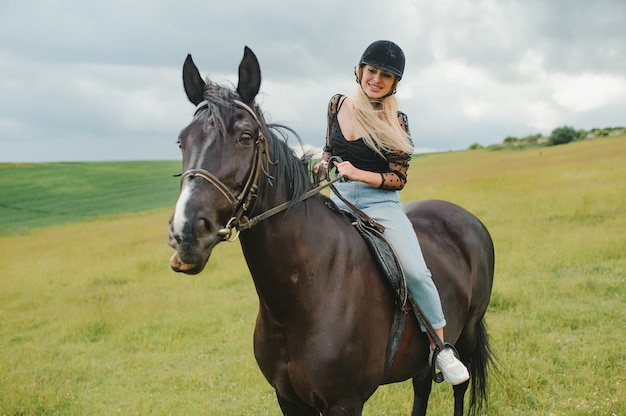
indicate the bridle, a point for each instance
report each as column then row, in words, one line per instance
column 242, row 201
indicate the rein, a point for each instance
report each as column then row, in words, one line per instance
column 241, row 203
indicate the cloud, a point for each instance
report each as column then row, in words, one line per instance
column 585, row 92
column 102, row 81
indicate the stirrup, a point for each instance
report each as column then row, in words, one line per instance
column 438, row 376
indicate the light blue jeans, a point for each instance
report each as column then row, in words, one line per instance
column 385, row 208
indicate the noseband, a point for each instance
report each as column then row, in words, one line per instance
column 241, row 202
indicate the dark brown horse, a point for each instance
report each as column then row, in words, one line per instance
column 325, row 312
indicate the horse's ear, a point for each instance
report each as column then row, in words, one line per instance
column 193, row 82
column 249, row 77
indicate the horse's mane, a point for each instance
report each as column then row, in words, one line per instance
column 289, row 168
column 219, row 106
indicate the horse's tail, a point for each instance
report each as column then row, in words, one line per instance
column 478, row 366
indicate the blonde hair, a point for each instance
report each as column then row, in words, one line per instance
column 379, row 126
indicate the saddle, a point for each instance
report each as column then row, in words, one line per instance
column 391, row 268
column 388, row 263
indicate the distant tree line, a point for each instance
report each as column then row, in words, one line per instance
column 560, row 135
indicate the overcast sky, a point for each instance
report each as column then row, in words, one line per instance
column 82, row 80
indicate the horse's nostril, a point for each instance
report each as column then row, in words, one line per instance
column 203, row 224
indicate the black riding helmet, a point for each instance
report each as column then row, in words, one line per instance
column 385, row 55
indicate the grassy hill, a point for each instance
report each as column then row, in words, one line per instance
column 93, row 322
column 38, row 195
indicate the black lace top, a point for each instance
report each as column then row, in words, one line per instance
column 392, row 167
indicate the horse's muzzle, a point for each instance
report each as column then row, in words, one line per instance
column 191, row 253
column 179, row 266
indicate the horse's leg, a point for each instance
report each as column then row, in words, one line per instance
column 459, row 396
column 421, row 390
column 347, row 407
column 290, row 408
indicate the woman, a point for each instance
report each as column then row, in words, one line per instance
column 372, row 138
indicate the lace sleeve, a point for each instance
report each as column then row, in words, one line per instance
column 395, row 178
column 404, row 122
column 333, row 107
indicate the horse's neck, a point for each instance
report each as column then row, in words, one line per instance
column 282, row 252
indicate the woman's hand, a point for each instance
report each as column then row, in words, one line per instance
column 347, row 170
column 321, row 168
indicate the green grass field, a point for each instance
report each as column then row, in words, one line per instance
column 93, row 322
column 36, row 195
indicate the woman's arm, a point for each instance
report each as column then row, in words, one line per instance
column 328, row 150
column 395, row 178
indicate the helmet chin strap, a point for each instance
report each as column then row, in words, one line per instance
column 376, row 102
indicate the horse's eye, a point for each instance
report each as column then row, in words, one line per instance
column 246, row 136
column 180, row 145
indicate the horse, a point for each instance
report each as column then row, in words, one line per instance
column 325, row 312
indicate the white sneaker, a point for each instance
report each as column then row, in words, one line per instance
column 453, row 370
